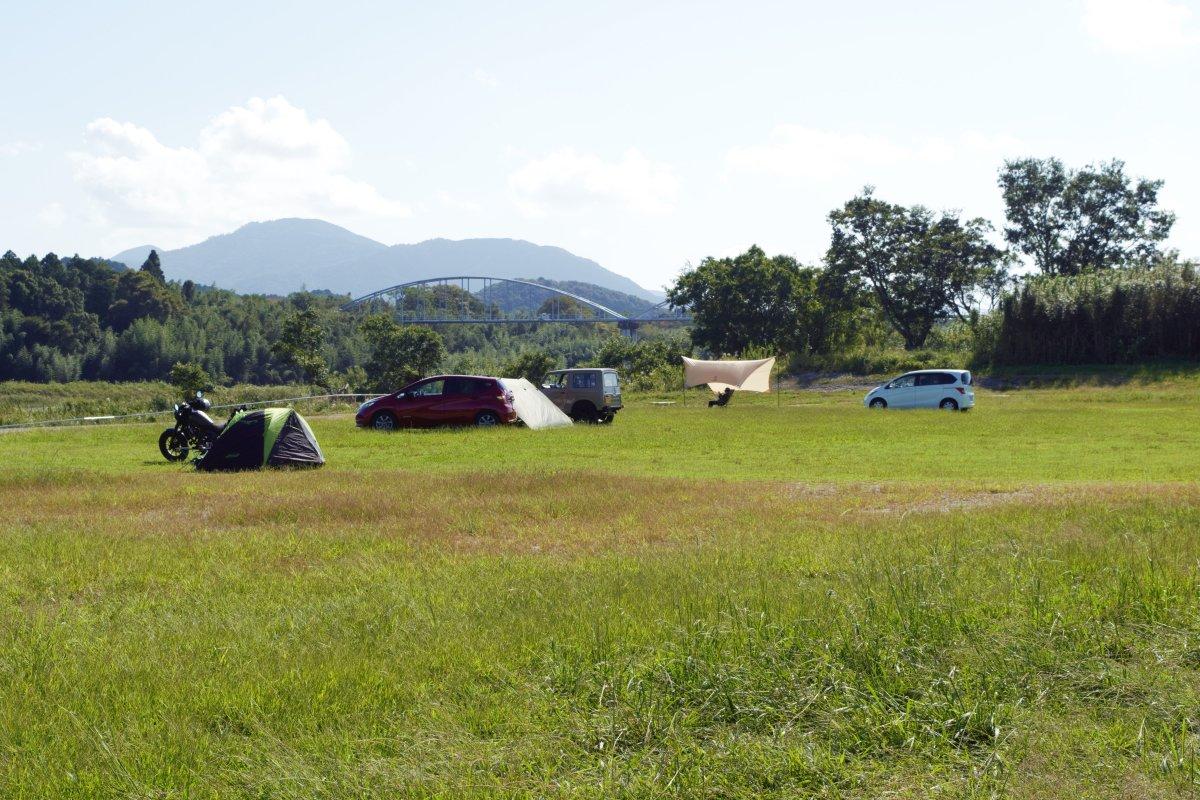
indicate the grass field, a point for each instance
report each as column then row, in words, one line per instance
column 786, row 597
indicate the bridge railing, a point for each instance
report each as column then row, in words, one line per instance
column 475, row 298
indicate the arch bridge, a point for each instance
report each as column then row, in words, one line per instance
column 480, row 299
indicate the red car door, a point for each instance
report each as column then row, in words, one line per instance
column 457, row 405
column 417, row 408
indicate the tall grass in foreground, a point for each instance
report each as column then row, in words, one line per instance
column 787, row 597
column 531, row 636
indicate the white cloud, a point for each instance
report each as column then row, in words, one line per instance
column 485, row 78
column 456, row 203
column 263, row 160
column 567, row 181
column 14, row 149
column 1136, row 27
column 797, row 151
column 52, row 215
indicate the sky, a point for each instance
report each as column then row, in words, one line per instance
column 644, row 135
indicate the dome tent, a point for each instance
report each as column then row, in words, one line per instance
column 276, row 437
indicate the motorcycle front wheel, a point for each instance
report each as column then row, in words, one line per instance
column 173, row 445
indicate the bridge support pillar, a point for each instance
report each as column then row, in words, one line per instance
column 629, row 328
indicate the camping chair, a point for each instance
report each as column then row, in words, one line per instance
column 722, row 398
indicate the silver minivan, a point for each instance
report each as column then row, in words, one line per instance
column 947, row 389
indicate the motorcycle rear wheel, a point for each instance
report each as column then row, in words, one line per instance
column 173, row 445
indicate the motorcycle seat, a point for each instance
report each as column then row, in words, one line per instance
column 205, row 420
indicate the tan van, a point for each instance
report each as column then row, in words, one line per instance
column 587, row 395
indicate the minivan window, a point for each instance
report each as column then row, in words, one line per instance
column 583, row 380
column 904, row 382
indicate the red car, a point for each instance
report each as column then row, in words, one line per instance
column 440, row 400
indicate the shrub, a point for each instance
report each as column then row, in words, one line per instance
column 1112, row 317
column 529, row 364
column 190, row 378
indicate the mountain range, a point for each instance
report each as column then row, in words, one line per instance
column 285, row 255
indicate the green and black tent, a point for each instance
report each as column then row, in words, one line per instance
column 276, row 437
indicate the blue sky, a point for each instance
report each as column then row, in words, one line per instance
column 643, row 135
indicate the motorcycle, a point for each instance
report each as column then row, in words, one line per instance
column 194, row 430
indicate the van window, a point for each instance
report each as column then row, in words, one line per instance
column 583, row 380
column 554, row 379
column 610, row 382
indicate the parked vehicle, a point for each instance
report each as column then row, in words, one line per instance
column 440, row 400
column 194, row 430
column 947, row 389
column 587, row 395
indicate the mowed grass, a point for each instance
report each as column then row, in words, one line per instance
column 792, row 599
column 1135, row 433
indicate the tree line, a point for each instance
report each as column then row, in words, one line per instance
column 1093, row 237
column 74, row 318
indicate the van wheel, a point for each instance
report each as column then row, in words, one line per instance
column 487, row 419
column 583, row 411
column 879, row 402
column 384, row 421
column 949, row 404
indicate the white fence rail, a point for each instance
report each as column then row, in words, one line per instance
column 51, row 423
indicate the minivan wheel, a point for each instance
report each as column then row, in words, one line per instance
column 949, row 404
column 879, row 402
column 384, row 421
column 487, row 419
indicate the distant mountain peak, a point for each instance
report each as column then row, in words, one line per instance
column 282, row 255
column 134, row 257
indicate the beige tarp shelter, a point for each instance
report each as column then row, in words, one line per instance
column 746, row 376
column 534, row 408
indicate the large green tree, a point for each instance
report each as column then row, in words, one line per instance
column 749, row 301
column 920, row 267
column 140, row 295
column 300, row 344
column 399, row 353
column 1075, row 222
column 529, row 364
column 153, row 267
